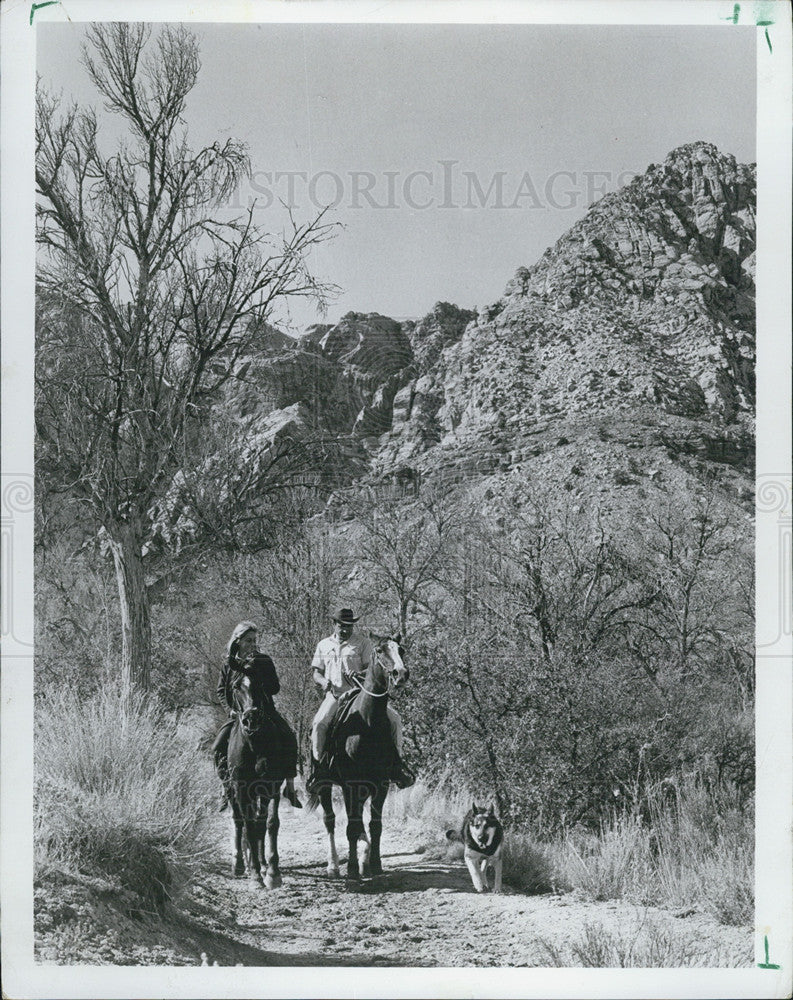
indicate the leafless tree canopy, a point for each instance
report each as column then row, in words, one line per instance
column 148, row 291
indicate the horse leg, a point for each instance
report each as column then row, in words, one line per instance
column 329, row 817
column 353, row 801
column 364, row 844
column 376, row 828
column 253, row 833
column 238, row 868
column 273, row 878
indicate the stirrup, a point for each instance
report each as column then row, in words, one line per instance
column 401, row 775
column 318, row 774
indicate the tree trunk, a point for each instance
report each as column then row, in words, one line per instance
column 134, row 602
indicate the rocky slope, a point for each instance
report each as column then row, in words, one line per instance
column 625, row 354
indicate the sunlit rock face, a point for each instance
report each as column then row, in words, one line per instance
column 641, row 316
column 624, row 356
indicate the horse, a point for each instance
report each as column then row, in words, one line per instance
column 362, row 752
column 256, row 771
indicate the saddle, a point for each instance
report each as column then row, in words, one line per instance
column 334, row 742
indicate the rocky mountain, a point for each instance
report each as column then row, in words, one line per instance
column 623, row 357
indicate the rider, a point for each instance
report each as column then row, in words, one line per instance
column 244, row 659
column 336, row 659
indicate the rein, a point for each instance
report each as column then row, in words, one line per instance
column 375, row 694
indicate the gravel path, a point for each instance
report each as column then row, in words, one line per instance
column 421, row 912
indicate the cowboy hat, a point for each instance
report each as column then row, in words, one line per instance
column 344, row 616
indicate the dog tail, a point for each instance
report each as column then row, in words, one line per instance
column 454, row 836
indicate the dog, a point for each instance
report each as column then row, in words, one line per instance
column 482, row 837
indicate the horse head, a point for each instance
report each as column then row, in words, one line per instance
column 390, row 655
column 250, row 715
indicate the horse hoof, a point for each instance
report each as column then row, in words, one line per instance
column 256, row 878
column 238, row 869
column 333, row 871
column 274, row 881
column 375, row 870
column 366, row 871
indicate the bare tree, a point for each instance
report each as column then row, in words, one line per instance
column 408, row 549
column 148, row 295
column 704, row 574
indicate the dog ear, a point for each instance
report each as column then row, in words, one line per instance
column 474, row 808
column 492, row 810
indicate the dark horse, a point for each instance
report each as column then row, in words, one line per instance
column 362, row 753
column 258, row 762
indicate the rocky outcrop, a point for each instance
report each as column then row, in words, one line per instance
column 644, row 310
column 375, row 346
column 640, row 318
column 415, row 424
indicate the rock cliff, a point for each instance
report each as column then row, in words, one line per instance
column 623, row 356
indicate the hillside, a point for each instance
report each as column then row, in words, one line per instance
column 623, row 358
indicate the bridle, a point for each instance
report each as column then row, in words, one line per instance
column 239, row 712
column 389, row 682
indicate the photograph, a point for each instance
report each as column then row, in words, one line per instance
column 406, row 407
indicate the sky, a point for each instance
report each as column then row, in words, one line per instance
column 450, row 154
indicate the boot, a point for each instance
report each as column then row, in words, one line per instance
column 291, row 795
column 318, row 776
column 401, row 774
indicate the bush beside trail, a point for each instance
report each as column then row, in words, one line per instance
column 120, row 795
column 692, row 850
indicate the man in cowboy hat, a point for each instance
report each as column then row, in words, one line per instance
column 336, row 658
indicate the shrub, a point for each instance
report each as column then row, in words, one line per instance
column 649, row 943
column 528, row 865
column 118, row 793
column 682, row 845
column 614, row 864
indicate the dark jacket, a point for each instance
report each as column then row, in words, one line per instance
column 260, row 668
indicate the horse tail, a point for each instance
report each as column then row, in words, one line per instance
column 312, row 801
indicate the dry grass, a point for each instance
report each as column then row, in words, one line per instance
column 614, row 864
column 693, row 848
column 118, row 793
column 528, row 864
column 647, row 943
column 696, row 850
column 432, row 807
column 705, row 852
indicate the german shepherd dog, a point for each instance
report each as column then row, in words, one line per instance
column 482, row 837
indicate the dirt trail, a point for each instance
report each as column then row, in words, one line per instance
column 421, row 912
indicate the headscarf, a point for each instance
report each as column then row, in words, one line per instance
column 237, row 634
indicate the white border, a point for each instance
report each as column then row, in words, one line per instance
column 774, row 903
